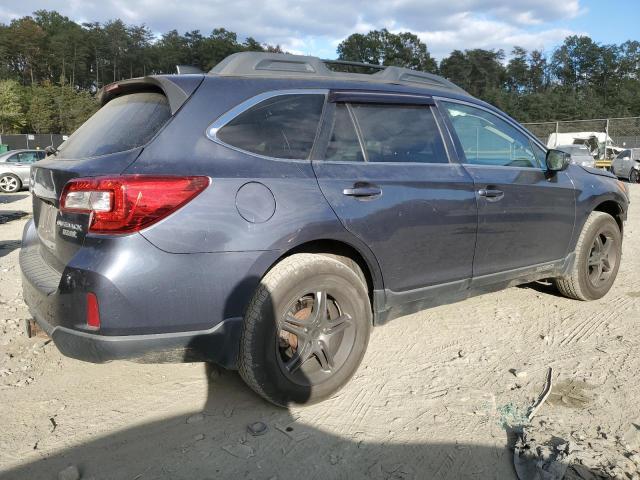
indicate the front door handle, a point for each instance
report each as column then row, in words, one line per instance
column 491, row 194
column 363, row 191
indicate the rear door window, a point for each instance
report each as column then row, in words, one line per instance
column 343, row 143
column 283, row 126
column 399, row 133
column 126, row 122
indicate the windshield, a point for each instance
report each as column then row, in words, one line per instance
column 126, row 122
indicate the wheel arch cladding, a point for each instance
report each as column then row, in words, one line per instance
column 338, row 247
column 614, row 209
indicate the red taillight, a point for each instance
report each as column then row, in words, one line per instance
column 128, row 203
column 93, row 312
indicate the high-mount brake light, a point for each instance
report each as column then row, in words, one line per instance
column 128, row 203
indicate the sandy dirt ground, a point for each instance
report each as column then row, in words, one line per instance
column 440, row 394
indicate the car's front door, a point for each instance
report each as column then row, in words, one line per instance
column 20, row 164
column 385, row 171
column 525, row 214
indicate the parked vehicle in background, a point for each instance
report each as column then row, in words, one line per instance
column 580, row 155
column 14, row 168
column 599, row 143
column 627, row 165
column 267, row 215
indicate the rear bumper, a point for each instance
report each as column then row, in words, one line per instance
column 154, row 306
column 218, row 344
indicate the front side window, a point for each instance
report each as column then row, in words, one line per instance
column 488, row 140
column 283, row 126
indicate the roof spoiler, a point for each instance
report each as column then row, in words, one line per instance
column 177, row 88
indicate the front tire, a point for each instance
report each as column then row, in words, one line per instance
column 597, row 259
column 634, row 177
column 9, row 183
column 305, row 330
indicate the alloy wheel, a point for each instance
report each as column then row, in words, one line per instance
column 8, row 184
column 315, row 337
column 602, row 259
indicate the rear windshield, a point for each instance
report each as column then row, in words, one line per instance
column 124, row 123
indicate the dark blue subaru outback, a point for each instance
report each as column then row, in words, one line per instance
column 266, row 215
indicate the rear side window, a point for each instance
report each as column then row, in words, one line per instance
column 283, row 126
column 399, row 133
column 126, row 122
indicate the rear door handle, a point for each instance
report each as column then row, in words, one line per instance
column 363, row 191
column 491, row 194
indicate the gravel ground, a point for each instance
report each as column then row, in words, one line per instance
column 444, row 393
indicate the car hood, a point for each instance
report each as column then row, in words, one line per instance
column 597, row 171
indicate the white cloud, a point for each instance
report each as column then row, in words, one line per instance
column 480, row 32
column 308, row 26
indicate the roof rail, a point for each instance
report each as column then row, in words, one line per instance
column 187, row 69
column 348, row 63
column 265, row 64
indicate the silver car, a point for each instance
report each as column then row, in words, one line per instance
column 627, row 165
column 580, row 155
column 14, row 168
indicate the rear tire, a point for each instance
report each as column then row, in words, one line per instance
column 9, row 183
column 327, row 304
column 634, row 177
column 597, row 259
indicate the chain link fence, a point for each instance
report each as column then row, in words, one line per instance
column 619, row 132
column 36, row 141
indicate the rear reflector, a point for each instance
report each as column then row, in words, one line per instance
column 93, row 312
column 128, row 203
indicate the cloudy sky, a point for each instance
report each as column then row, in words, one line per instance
column 317, row 26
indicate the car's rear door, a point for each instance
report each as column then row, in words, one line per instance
column 525, row 214
column 386, row 172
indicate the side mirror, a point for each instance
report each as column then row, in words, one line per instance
column 557, row 160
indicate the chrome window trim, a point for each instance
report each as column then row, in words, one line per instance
column 213, row 129
column 502, row 117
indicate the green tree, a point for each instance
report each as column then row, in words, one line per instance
column 40, row 113
column 12, row 118
column 382, row 47
column 518, row 74
column 478, row 71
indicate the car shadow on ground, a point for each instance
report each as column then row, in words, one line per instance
column 8, row 246
column 236, row 434
column 214, row 443
column 12, row 197
column 7, row 216
column 544, row 286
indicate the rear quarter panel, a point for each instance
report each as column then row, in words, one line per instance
column 211, row 222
